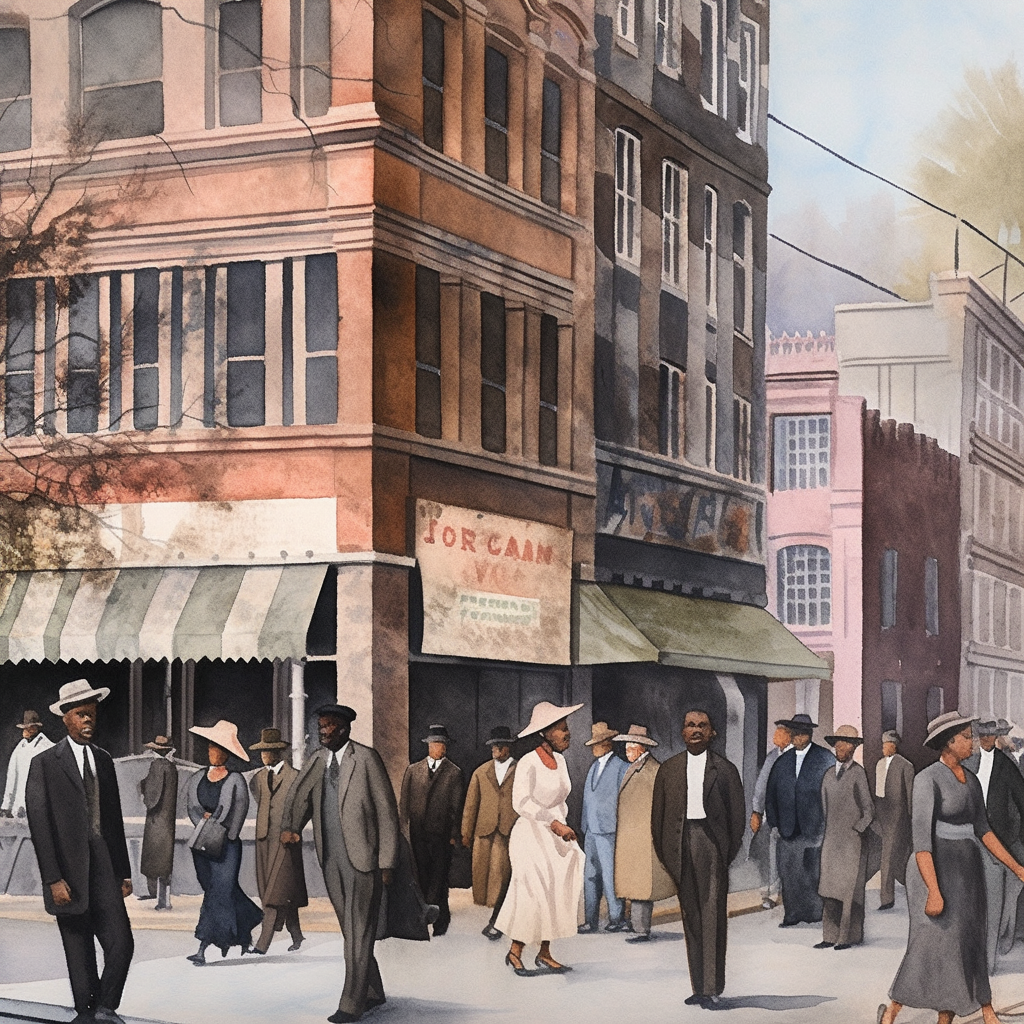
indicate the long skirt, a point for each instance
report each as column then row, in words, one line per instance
column 227, row 916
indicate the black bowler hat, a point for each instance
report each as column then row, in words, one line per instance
column 337, row 711
column 501, row 736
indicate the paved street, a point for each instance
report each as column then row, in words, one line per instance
column 461, row 978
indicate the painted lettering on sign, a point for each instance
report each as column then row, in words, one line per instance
column 499, row 609
column 495, row 544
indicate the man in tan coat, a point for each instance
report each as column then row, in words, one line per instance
column 639, row 876
column 487, row 820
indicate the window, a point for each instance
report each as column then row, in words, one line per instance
column 673, row 224
column 246, row 383
column 710, row 53
column 428, row 352
column 20, row 356
column 496, row 114
column 671, row 405
column 931, row 596
column 15, row 90
column 802, row 452
column 747, row 84
column 934, row 702
column 627, row 196
column 710, row 423
column 805, row 585
column 625, row 20
column 551, row 145
column 122, row 65
column 239, row 62
column 433, row 81
column 548, row 435
column 146, row 349
column 666, row 43
column 892, row 706
column 741, row 438
column 83, row 380
column 492, row 372
column 710, row 251
column 888, row 588
column 742, row 276
column 321, row 279
column 311, row 58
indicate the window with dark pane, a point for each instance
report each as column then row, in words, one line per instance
column 888, row 587
column 548, row 435
column 931, row 596
column 246, row 344
column 146, row 348
column 20, row 356
column 239, row 60
column 122, row 70
column 428, row 352
column 83, row 380
column 805, row 585
column 15, row 90
column 322, row 338
column 551, row 145
column 741, row 438
column 492, row 372
column 496, row 114
column 740, row 268
column 671, row 382
column 315, row 60
column 433, row 81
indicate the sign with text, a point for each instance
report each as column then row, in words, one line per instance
column 493, row 587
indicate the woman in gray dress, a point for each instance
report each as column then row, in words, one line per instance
column 944, row 968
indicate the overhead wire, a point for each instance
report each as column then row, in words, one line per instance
column 836, row 266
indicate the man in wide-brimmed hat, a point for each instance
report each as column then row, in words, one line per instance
column 33, row 741
column 159, row 791
column 894, row 788
column 599, row 823
column 74, row 815
column 793, row 806
column 280, row 876
column 430, row 811
column 849, row 810
column 487, row 821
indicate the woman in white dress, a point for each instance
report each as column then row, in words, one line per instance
column 547, row 863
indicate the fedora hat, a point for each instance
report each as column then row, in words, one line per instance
column 270, row 739
column 847, row 733
column 224, row 734
column 891, row 736
column 988, row 727
column 160, row 743
column 951, row 720
column 800, row 723
column 78, row 691
column 28, row 719
column 342, row 711
column 1004, row 727
column 436, row 734
column 636, row 734
column 600, row 733
column 544, row 714
column 501, row 736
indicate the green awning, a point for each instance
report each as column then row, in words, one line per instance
column 628, row 624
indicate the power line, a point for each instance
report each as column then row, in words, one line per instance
column 836, row 266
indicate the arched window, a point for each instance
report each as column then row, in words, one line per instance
column 805, row 585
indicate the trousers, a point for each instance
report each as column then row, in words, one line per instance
column 599, row 878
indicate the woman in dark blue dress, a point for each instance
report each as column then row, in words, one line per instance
column 227, row 916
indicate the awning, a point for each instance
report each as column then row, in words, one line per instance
column 223, row 612
column 621, row 624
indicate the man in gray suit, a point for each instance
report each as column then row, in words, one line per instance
column 346, row 791
column 894, row 788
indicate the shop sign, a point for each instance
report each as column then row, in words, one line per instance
column 493, row 587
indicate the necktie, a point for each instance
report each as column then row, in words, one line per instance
column 271, row 780
column 92, row 792
column 334, row 772
column 839, row 773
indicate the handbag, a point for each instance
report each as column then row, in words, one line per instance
column 209, row 838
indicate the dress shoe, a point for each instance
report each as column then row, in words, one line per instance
column 295, row 945
column 551, row 966
column 843, row 945
column 823, row 945
column 373, row 1002
column 639, row 937
column 343, row 1017
column 788, row 924
column 197, row 958
column 438, row 932
column 516, row 964
column 491, row 932
column 145, row 897
column 713, row 1003
column 586, row 929
column 694, row 1000
column 255, row 951
column 617, row 926
column 886, row 906
column 767, row 904
column 106, row 1015
column 432, row 913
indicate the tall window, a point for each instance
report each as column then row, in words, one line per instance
column 711, row 251
column 122, row 65
column 551, row 145
column 671, row 406
column 802, row 452
column 548, row 436
column 711, row 53
column 239, row 62
column 83, row 380
column 146, row 349
column 805, row 585
column 428, row 352
column 742, row 271
column 321, row 280
column 627, row 196
column 433, row 81
column 747, row 83
column 15, row 90
column 496, row 114
column 888, row 588
column 246, row 384
column 673, row 224
column 625, row 20
column 666, row 37
column 492, row 372
column 892, row 706
column 741, row 438
column 934, row 702
column 311, row 57
column 710, row 423
column 931, row 596
column 19, row 359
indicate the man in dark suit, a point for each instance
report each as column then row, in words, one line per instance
column 74, row 816
column 346, row 791
column 430, row 811
column 894, row 787
column 793, row 806
column 697, row 821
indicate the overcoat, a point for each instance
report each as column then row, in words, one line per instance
column 1004, row 805
column 793, row 802
column 159, row 791
column 432, row 806
column 487, row 820
column 639, row 875
column 280, row 877
column 893, row 818
column 849, row 811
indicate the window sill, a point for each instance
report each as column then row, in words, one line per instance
column 678, row 290
column 627, row 46
column 740, row 336
column 673, row 73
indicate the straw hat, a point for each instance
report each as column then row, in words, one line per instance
column 544, row 714
column 847, row 733
column 945, row 722
column 636, row 734
column 78, row 691
column 270, row 739
column 600, row 733
column 224, row 734
column 28, row 719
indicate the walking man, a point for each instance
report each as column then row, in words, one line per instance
column 781, row 742
column 159, row 791
column 894, row 787
column 33, row 741
column 74, row 816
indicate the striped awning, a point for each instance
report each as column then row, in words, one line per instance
column 224, row 612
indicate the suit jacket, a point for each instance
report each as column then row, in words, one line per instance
column 1004, row 804
column 270, row 806
column 601, row 797
column 369, row 816
column 280, row 877
column 488, row 806
column 793, row 803
column 723, row 804
column 432, row 806
column 58, row 819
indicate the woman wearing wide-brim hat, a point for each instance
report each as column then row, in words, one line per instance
column 543, row 896
column 945, row 966
column 227, row 916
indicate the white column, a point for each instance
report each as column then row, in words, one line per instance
column 164, row 349
column 298, row 699
column 220, row 349
column 127, row 352
column 274, row 350
column 193, row 346
column 103, row 342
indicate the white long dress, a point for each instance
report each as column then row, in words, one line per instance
column 547, row 873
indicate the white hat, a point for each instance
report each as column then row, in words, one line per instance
column 224, row 734
column 544, row 714
column 78, row 691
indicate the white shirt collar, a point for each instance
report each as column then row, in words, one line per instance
column 988, row 753
column 701, row 758
column 432, row 763
column 501, row 769
column 603, row 759
column 336, row 754
column 79, row 750
column 275, row 768
column 801, row 754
